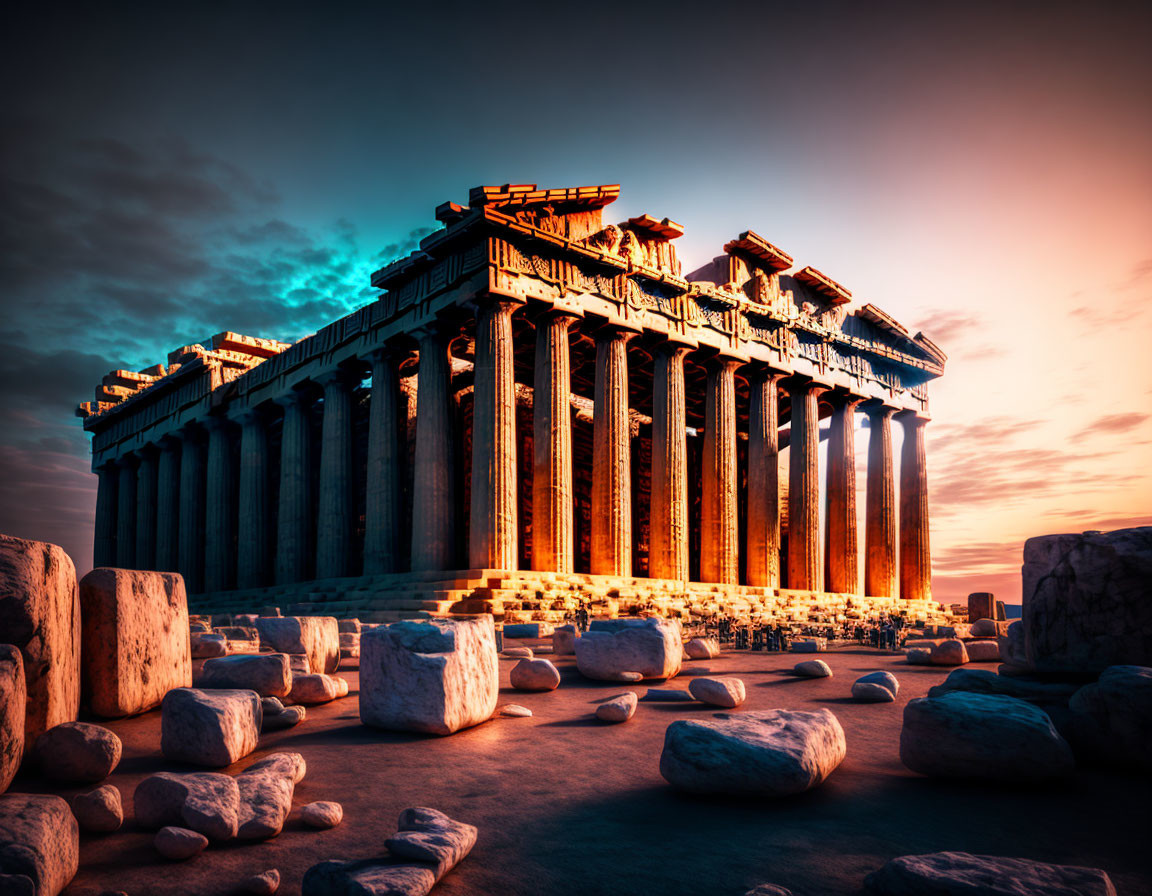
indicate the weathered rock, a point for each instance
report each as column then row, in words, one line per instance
column 350, row 640
column 981, row 605
column 811, row 645
column 1112, row 719
column 179, row 844
column 39, row 840
column 876, row 687
column 13, row 693
column 726, row 692
column 316, row 636
column 918, row 656
column 429, row 836
column 528, row 630
column 619, row 709
column 771, row 753
column 207, row 802
column 564, row 640
column 982, row 651
column 370, row 877
column 812, row 669
column 135, row 643
column 298, row 663
column 270, row 706
column 668, row 695
column 516, row 653
column 653, row 647
column 626, row 676
column 949, row 653
column 769, row 890
column 435, row 676
column 349, row 625
column 1012, row 645
column 322, row 815
column 264, row 884
column 966, row 735
column 1086, row 601
column 313, row 689
column 266, row 789
column 341, row 685
column 702, row 649
column 99, row 810
column 514, row 711
column 212, row 728
column 982, row 681
column 986, row 628
column 288, row 717
column 78, row 752
column 268, row 674
column 205, row 645
column 40, row 614
column 534, row 675
column 963, row 874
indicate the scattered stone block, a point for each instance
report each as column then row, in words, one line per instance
column 982, row 651
column 1112, row 719
column 987, row 628
column 266, row 789
column 528, row 630
column 981, row 605
column 564, row 640
column 349, row 625
column 322, row 815
column 428, row 836
column 205, row 645
column 702, row 649
column 212, row 728
column 534, row 675
column 966, row 735
column 13, row 691
column 1044, row 694
column 769, row 890
column 876, row 687
column 810, row 645
column 653, row 647
column 514, row 711
column 298, row 663
column 812, row 669
column 179, row 844
column 773, row 753
column 434, row 676
column 314, row 689
column 961, row 872
column 668, row 695
column 1012, row 645
column 40, row 615
column 516, row 653
column 726, row 692
column 206, row 802
column 135, row 640
column 78, row 752
column 1086, row 603
column 39, row 840
column 918, row 656
column 264, row 884
column 316, row 636
column 619, row 709
column 100, row 810
column 949, row 653
column 288, row 717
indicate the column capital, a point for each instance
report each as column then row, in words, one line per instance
column 763, row 371
column 246, row 414
column 911, row 419
column 614, row 330
column 431, row 328
column 875, row 407
column 386, row 352
column 797, row 383
column 671, row 348
column 496, row 300
column 215, row 422
column 129, row 459
column 291, row 397
column 335, row 376
column 841, row 398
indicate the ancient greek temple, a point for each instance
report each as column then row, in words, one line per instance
column 539, row 405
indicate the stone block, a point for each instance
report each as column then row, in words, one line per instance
column 434, row 676
column 981, row 605
column 1088, row 602
column 268, row 674
column 13, row 690
column 40, row 614
column 318, row 637
column 564, row 640
column 78, row 752
column 961, row 872
column 135, row 640
column 652, row 647
column 206, row 802
column 211, row 728
column 1112, row 719
column 39, row 840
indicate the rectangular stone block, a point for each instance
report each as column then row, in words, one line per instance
column 136, row 643
column 316, row 636
column 12, row 708
column 212, row 728
column 981, row 605
column 40, row 614
column 40, row 840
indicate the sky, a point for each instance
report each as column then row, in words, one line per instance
column 983, row 172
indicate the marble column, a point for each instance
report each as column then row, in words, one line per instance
column 168, row 505
column 552, row 495
column 915, row 558
column 334, row 502
column 433, row 498
column 805, row 569
column 192, row 496
column 104, row 543
column 220, row 508
column 146, row 483
column 384, row 497
column 763, row 481
column 126, row 512
column 719, row 526
column 880, row 508
column 611, row 458
column 253, row 549
column 841, row 546
column 492, row 533
column 669, row 520
column 294, row 522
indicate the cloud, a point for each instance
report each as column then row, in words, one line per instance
column 1118, row 422
column 944, row 325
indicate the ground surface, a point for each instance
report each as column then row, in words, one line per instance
column 567, row 805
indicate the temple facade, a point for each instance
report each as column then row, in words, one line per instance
column 540, row 405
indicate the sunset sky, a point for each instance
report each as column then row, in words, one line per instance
column 984, row 175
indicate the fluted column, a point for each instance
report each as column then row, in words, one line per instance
column 492, row 533
column 763, row 481
column 126, row 512
column 146, row 484
column 668, row 539
column 719, row 527
column 552, row 527
column 433, row 498
column 168, row 505
column 253, row 548
column 220, row 509
column 611, row 458
column 880, row 508
column 384, row 493
column 334, row 504
column 192, row 497
column 294, row 512
column 841, row 547
column 104, row 542
column 915, row 557
column 805, row 569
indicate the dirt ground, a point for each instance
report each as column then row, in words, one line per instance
column 568, row 805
